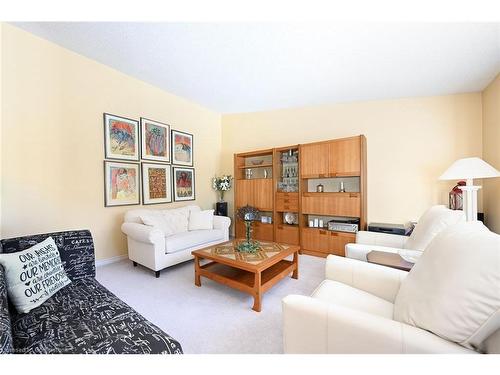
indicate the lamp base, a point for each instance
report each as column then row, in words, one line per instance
column 470, row 200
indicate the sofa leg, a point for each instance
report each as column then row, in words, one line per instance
column 135, row 264
column 157, row 274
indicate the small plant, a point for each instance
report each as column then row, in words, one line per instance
column 222, row 184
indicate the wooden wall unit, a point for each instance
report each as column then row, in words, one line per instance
column 332, row 159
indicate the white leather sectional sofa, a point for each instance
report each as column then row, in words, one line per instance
column 433, row 221
column 170, row 242
column 448, row 302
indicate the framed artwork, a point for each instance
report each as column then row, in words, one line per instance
column 121, row 138
column 156, row 183
column 121, row 184
column 184, row 184
column 182, row 148
column 155, row 140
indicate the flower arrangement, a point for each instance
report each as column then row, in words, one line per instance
column 222, row 184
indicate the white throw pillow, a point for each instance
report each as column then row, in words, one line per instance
column 454, row 288
column 432, row 222
column 178, row 218
column 158, row 221
column 34, row 275
column 201, row 220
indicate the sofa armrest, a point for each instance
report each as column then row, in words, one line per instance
column 383, row 282
column 314, row 326
column 305, row 323
column 221, row 222
column 144, row 233
column 381, row 239
column 6, row 341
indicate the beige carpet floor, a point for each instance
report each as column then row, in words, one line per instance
column 213, row 318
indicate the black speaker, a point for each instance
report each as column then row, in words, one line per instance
column 221, row 208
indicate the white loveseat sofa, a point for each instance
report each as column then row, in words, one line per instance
column 448, row 302
column 432, row 222
column 169, row 242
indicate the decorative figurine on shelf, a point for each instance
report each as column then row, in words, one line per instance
column 222, row 184
column 342, row 188
column 248, row 214
column 456, row 197
column 319, row 188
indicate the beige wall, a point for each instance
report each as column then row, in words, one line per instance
column 491, row 152
column 52, row 147
column 52, row 144
column 410, row 143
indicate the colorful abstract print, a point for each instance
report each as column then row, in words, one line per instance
column 123, row 183
column 122, row 137
column 157, row 183
column 184, row 184
column 156, row 140
column 182, row 148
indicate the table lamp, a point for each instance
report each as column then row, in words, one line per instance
column 467, row 169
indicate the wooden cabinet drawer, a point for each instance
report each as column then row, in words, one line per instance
column 260, row 231
column 262, row 192
column 263, row 232
column 326, row 242
column 315, row 239
column 288, row 234
column 287, row 202
column 314, row 160
column 338, row 240
column 334, row 204
column 345, row 157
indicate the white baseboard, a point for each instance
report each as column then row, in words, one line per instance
column 104, row 262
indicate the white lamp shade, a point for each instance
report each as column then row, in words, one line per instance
column 469, row 168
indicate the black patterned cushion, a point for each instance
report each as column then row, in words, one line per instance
column 84, row 317
column 76, row 249
column 6, row 345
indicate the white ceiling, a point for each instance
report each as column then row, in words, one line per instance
column 245, row 67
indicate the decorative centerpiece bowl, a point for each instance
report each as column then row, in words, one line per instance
column 257, row 162
column 248, row 214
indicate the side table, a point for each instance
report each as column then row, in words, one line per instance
column 392, row 260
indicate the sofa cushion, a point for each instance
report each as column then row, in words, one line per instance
column 453, row 290
column 201, row 220
column 178, row 218
column 186, row 240
column 157, row 220
column 86, row 318
column 344, row 295
column 34, row 274
column 432, row 222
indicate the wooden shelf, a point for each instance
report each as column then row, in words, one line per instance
column 331, row 231
column 255, row 166
column 330, row 175
column 331, row 194
column 244, row 280
column 253, row 179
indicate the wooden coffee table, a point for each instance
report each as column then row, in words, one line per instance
column 250, row 273
column 392, row 260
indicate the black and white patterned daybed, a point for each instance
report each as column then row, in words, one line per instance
column 83, row 317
